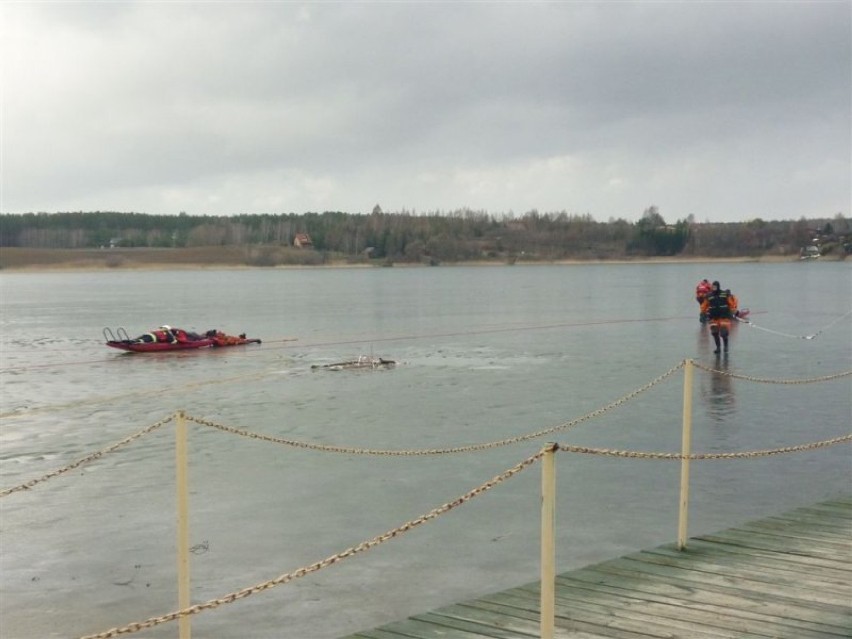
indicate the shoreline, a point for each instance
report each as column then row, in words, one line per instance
column 16, row 260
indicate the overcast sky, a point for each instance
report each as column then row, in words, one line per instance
column 728, row 111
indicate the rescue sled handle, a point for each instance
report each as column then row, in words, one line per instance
column 109, row 336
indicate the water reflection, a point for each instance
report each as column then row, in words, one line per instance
column 718, row 391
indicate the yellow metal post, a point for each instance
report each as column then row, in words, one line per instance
column 548, row 546
column 686, row 449
column 181, row 477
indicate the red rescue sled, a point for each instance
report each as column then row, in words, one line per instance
column 158, row 347
column 215, row 339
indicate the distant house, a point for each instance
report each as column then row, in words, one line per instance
column 809, row 252
column 303, row 240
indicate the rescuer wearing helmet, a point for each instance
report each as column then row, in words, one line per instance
column 701, row 292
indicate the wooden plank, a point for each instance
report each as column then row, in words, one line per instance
column 755, row 583
column 700, row 549
column 610, row 614
column 700, row 545
column 818, row 521
column 839, row 538
column 413, row 628
column 814, row 528
column 528, row 624
column 501, row 604
column 829, row 518
column 711, row 596
column 788, row 576
column 492, row 627
column 764, row 573
column 832, row 577
column 766, row 542
column 797, row 531
column 735, row 617
column 709, row 599
column 715, row 619
column 833, row 508
column 817, row 527
column 378, row 633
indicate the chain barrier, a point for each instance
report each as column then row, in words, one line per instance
column 437, row 512
column 366, row 545
column 88, row 458
column 416, row 452
column 436, row 451
column 328, row 561
column 341, row 449
column 764, row 380
column 813, row 336
column 633, row 454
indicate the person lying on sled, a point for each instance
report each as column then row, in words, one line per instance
column 168, row 335
column 223, row 339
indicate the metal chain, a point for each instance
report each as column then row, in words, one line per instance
column 301, row 572
column 340, row 449
column 700, row 456
column 435, row 451
column 87, row 458
column 763, row 380
column 436, row 512
column 366, row 545
column 419, row 452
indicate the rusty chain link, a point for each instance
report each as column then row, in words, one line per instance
column 764, row 380
column 436, row 451
column 633, row 454
column 88, row 458
column 328, row 561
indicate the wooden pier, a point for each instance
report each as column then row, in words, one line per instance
column 788, row 576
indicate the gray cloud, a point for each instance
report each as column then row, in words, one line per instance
column 727, row 111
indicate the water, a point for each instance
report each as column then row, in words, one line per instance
column 485, row 353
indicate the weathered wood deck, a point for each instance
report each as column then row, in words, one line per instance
column 788, row 576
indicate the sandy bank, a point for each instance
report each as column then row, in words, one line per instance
column 16, row 259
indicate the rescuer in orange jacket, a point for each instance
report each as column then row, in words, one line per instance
column 733, row 303
column 701, row 291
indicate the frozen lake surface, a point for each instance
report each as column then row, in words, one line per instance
column 485, row 354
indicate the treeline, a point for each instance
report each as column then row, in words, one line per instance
column 407, row 237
